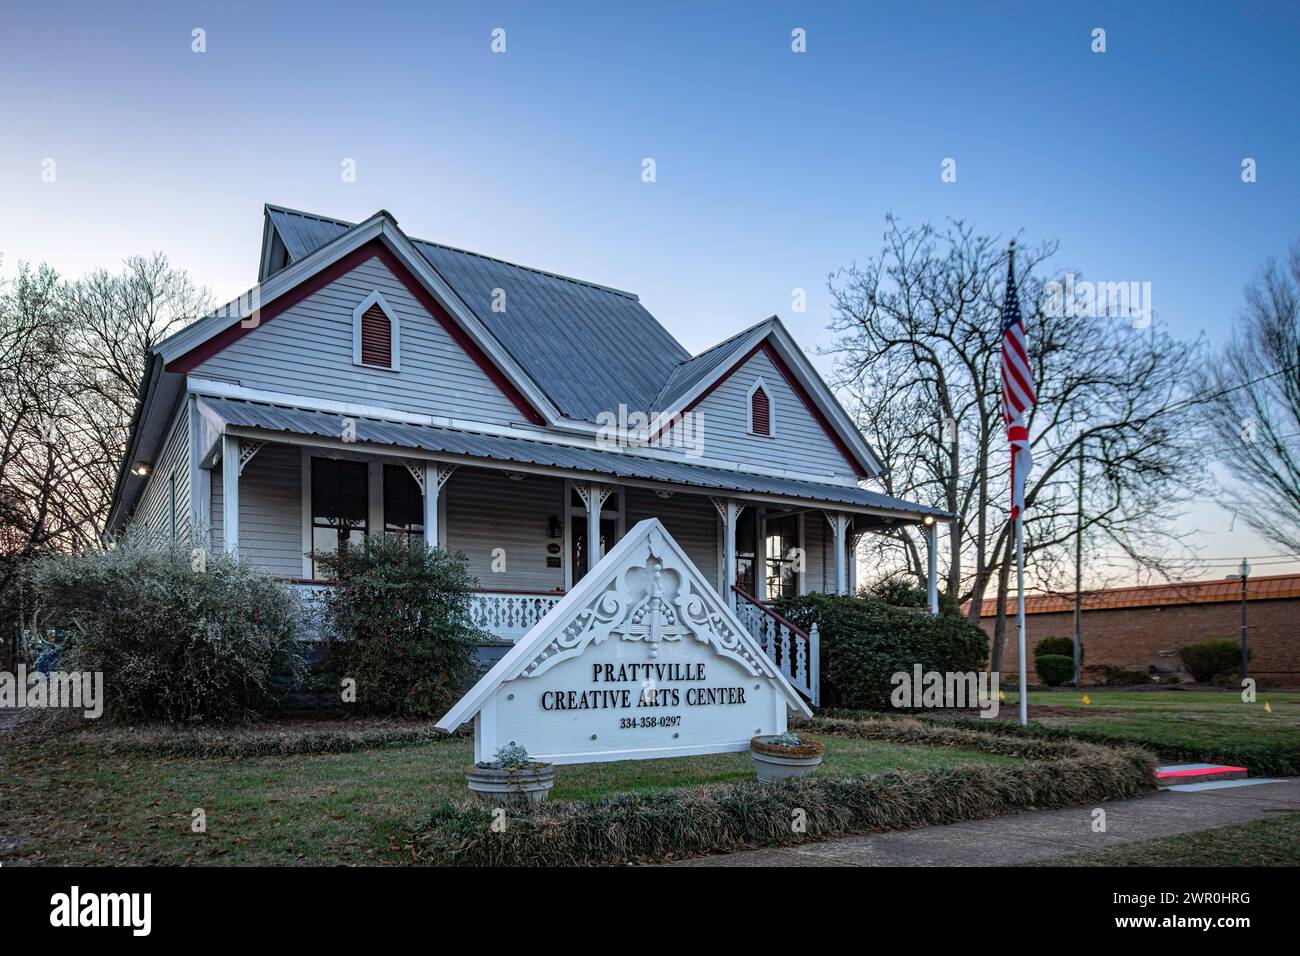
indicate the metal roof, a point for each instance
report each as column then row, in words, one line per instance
column 547, row 318
column 505, row 449
column 694, row 370
column 1269, row 588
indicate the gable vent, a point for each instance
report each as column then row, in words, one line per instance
column 376, row 338
column 760, row 408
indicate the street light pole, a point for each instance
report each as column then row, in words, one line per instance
column 1245, row 628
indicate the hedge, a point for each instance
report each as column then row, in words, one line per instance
column 688, row 821
column 1281, row 759
column 864, row 642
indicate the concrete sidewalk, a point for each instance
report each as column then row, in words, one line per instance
column 1036, row 835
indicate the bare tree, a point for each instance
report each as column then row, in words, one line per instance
column 919, row 349
column 1253, row 405
column 72, row 356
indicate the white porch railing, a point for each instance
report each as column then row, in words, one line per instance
column 795, row 652
column 510, row 615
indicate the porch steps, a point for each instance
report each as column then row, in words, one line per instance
column 1179, row 775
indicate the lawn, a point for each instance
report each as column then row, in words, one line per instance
column 1273, row 842
column 1177, row 724
column 75, row 803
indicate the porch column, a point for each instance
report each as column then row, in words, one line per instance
column 840, row 523
column 431, row 479
column 932, row 583
column 760, row 556
column 729, row 510
column 594, row 496
column 230, row 452
column 432, row 488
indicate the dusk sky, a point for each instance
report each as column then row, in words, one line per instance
column 773, row 169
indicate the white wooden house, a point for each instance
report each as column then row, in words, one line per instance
column 371, row 383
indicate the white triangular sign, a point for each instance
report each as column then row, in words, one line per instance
column 643, row 658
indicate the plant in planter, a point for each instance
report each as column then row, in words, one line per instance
column 782, row 756
column 513, row 777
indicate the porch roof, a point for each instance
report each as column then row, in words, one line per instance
column 504, row 450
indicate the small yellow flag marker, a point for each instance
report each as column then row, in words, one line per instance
column 1268, row 708
column 1086, row 700
column 1002, row 696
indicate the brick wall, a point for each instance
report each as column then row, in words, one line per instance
column 1138, row 638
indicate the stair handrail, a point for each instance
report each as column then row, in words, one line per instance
column 811, row 637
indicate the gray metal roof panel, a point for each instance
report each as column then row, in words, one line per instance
column 503, row 448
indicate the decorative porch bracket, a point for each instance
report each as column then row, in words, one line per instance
column 430, row 476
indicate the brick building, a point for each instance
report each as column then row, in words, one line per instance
column 1142, row 628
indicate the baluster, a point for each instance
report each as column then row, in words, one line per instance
column 801, row 662
column 785, row 648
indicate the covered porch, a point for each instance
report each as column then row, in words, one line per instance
column 284, row 483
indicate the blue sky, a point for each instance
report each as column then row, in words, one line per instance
column 773, row 168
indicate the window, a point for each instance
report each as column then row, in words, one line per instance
column 780, row 544
column 339, row 505
column 171, row 507
column 760, row 410
column 375, row 333
column 403, row 504
column 746, row 535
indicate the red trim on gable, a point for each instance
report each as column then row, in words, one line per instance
column 374, row 249
column 766, row 348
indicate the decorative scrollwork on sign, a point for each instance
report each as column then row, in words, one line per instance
column 650, row 599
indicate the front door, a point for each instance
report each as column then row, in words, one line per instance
column 578, row 539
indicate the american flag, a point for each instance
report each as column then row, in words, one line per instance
column 1017, row 388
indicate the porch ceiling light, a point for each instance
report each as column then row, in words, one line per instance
column 141, row 468
column 928, row 519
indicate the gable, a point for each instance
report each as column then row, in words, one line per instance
column 310, row 349
column 796, row 439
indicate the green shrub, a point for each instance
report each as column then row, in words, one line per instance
column 173, row 643
column 398, row 623
column 1210, row 659
column 864, row 642
column 900, row 592
column 1054, row 669
column 1057, row 645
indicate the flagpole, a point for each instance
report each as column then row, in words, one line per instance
column 1020, row 618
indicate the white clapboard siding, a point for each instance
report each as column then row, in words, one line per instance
column 691, row 519
column 307, row 350
column 270, row 511
column 486, row 510
column 798, row 442
column 152, row 517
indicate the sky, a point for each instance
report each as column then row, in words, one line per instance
column 772, row 168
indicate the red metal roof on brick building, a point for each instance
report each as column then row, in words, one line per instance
column 1264, row 588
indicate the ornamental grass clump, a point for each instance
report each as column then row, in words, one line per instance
column 688, row 821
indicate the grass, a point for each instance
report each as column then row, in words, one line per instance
column 79, row 802
column 1209, row 725
column 1274, row 842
